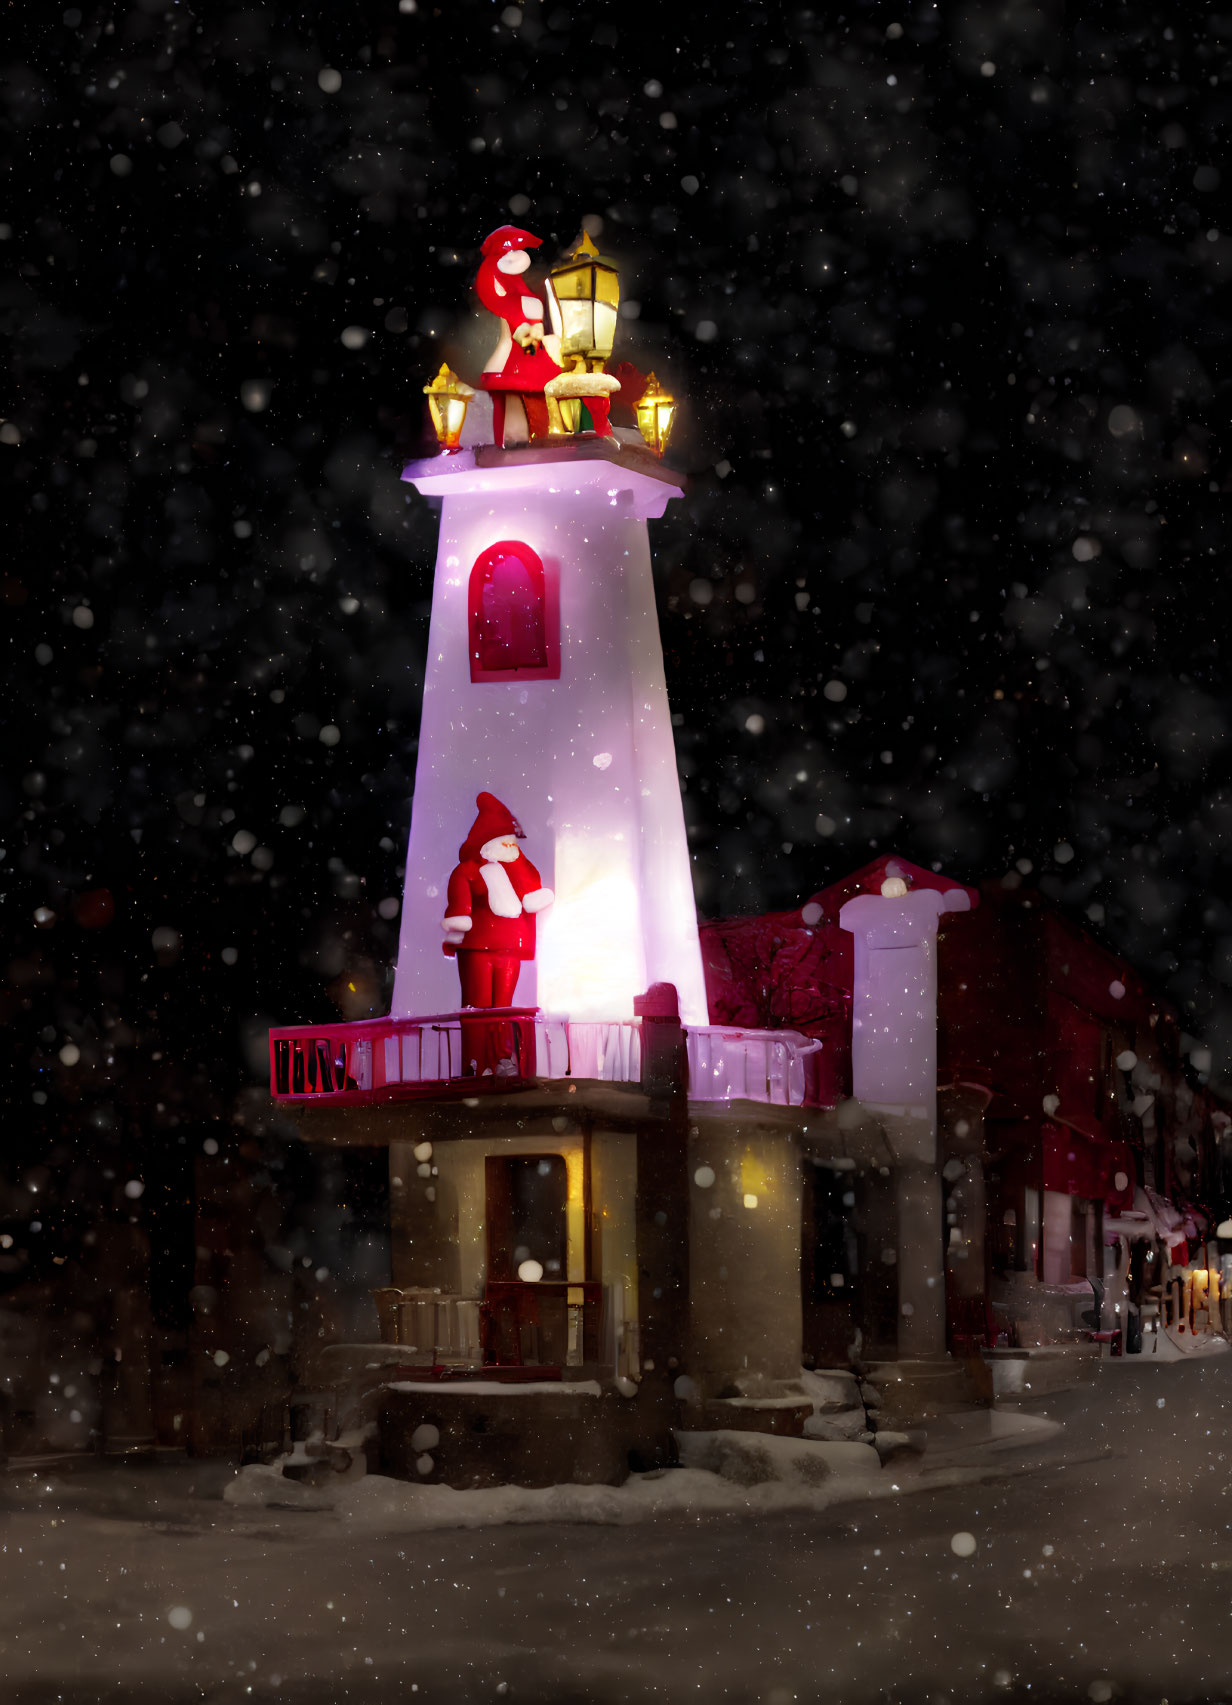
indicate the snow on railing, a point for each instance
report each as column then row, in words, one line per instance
column 610, row 1051
column 438, row 1328
column 381, row 1059
column 749, row 1065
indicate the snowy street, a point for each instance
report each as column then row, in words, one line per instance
column 1100, row 1571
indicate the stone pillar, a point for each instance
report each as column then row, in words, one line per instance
column 744, row 1239
column 1057, row 1234
column 962, row 1154
column 921, row 1273
column 968, row 1262
column 894, row 1073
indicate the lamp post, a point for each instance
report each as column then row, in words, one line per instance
column 655, row 412
column 584, row 304
column 448, row 397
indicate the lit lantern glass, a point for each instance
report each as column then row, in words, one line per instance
column 564, row 414
column 447, row 399
column 585, row 305
column 655, row 411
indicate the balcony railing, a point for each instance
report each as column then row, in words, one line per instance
column 379, row 1059
column 481, row 1052
column 555, row 1323
column 750, row 1065
column 552, row 1323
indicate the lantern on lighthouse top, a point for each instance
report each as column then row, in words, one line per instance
column 655, row 411
column 584, row 305
column 448, row 397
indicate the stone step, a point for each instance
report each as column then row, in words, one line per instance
column 1037, row 1370
column 784, row 1416
column 913, row 1390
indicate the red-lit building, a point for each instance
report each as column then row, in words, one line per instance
column 1077, row 1141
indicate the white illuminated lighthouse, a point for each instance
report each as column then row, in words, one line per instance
column 545, row 687
column 595, row 1190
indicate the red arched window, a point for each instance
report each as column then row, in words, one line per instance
column 509, row 628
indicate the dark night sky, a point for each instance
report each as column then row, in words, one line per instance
column 944, row 292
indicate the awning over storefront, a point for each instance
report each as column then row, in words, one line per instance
column 1154, row 1216
column 1180, row 1226
column 1085, row 1163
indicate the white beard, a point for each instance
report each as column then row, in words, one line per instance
column 501, row 897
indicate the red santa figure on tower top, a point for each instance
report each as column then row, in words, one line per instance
column 525, row 357
column 494, row 896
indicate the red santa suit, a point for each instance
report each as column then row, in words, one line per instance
column 522, row 362
column 494, row 896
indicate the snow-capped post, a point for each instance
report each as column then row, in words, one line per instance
column 664, row 1061
column 894, row 1073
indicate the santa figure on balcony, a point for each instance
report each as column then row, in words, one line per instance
column 494, row 896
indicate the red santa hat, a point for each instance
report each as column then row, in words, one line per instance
column 508, row 237
column 494, row 821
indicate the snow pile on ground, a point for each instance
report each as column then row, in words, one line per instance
column 1169, row 1345
column 331, row 1462
column 955, row 1437
column 752, row 1473
column 396, row 1505
column 756, row 1459
column 838, row 1408
column 263, row 1486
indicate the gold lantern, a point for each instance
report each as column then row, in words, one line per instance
column 447, row 399
column 585, row 302
column 655, row 412
column 564, row 412
column 569, row 392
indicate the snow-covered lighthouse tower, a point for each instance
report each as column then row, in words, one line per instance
column 544, row 683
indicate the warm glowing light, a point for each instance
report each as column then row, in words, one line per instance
column 894, row 888
column 566, row 393
column 608, row 840
column 754, row 1180
column 564, row 413
column 584, row 304
column 590, row 951
column 448, row 397
column 530, row 1272
column 655, row 413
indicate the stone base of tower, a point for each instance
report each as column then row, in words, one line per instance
column 579, row 1433
column 695, row 1258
